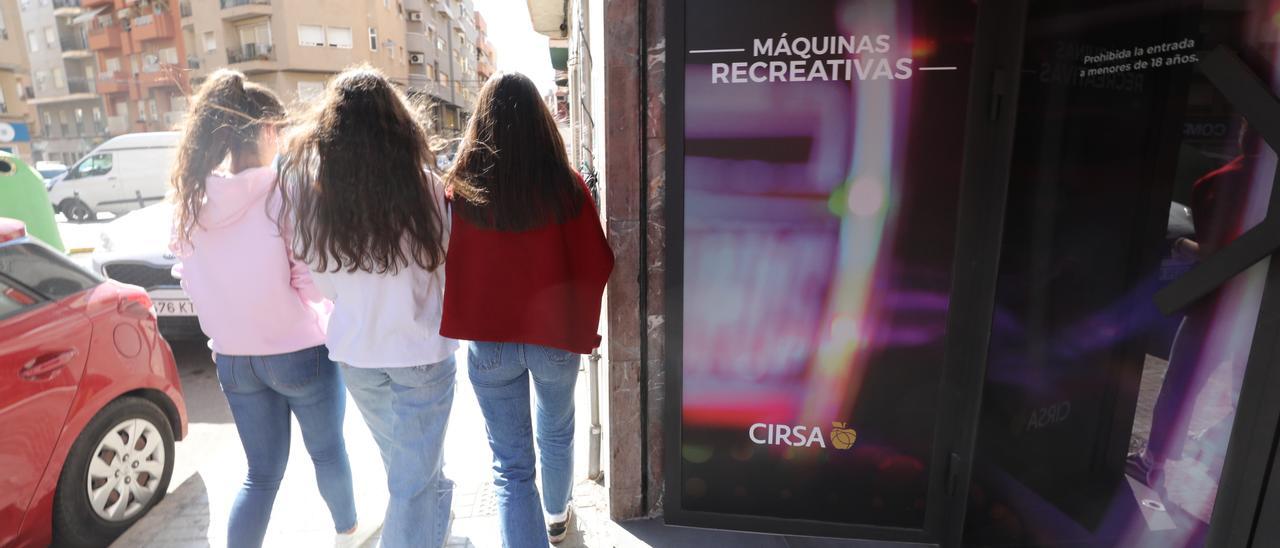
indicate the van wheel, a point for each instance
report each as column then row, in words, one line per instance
column 77, row 211
column 117, row 470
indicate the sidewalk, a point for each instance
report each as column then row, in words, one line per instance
column 210, row 467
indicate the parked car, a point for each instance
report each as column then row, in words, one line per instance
column 135, row 250
column 50, row 171
column 121, row 175
column 90, row 400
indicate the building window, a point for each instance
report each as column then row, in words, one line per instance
column 98, row 124
column 439, row 43
column 33, row 41
column 59, row 78
column 373, row 39
column 50, row 37
column 4, row 105
column 431, row 72
column 308, row 91
column 169, row 55
column 80, row 122
column 48, row 120
column 339, row 37
column 210, row 43
column 311, row 35
column 42, row 79
column 62, row 122
column 113, row 65
column 255, row 40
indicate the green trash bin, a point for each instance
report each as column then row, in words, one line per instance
column 23, row 197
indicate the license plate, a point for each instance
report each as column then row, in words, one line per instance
column 174, row 307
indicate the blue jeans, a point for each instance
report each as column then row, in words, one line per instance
column 407, row 409
column 500, row 374
column 262, row 391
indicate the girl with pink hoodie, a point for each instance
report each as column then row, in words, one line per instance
column 265, row 319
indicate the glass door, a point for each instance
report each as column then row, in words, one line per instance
column 1129, row 286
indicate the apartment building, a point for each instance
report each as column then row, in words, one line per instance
column 62, row 80
column 442, row 38
column 294, row 46
column 138, row 51
column 16, row 116
column 486, row 57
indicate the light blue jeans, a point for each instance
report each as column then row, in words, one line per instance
column 407, row 409
column 262, row 391
column 500, row 374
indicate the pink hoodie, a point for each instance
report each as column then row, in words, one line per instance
column 252, row 297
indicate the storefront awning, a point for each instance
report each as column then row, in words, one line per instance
column 86, row 16
column 548, row 17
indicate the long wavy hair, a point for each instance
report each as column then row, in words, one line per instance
column 512, row 161
column 354, row 182
column 227, row 117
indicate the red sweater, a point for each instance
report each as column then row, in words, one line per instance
column 541, row 286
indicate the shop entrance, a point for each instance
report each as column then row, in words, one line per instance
column 987, row 275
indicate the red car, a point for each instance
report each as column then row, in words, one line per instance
column 90, row 401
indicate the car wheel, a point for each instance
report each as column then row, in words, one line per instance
column 117, row 470
column 77, row 211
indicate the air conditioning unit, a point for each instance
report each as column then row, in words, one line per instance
column 416, row 59
column 415, row 16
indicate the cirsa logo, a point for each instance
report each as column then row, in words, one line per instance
column 842, row 437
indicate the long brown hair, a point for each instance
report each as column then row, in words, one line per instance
column 226, row 117
column 353, row 181
column 513, row 162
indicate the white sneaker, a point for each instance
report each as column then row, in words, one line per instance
column 557, row 531
column 355, row 538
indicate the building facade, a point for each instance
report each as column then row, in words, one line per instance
column 442, row 38
column 486, row 57
column 16, row 116
column 60, row 79
column 139, row 54
column 294, row 46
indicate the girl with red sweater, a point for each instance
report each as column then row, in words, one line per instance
column 526, row 269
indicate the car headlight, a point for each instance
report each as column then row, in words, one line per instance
column 105, row 243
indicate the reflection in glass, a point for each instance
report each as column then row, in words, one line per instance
column 1105, row 423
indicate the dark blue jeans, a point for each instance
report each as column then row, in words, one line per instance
column 262, row 392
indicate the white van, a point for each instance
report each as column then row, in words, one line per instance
column 123, row 174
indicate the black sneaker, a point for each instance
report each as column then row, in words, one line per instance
column 556, row 532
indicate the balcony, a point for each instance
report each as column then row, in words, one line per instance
column 252, row 58
column 160, row 75
column 235, row 10
column 113, row 82
column 74, row 44
column 104, row 37
column 66, row 8
column 153, row 26
column 82, row 85
column 442, row 7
